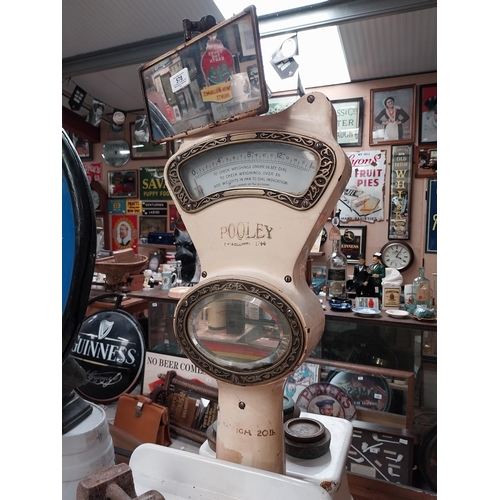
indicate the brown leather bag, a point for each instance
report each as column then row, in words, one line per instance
column 143, row 419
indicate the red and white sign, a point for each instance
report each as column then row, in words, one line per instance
column 93, row 170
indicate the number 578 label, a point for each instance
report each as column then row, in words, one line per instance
column 180, row 80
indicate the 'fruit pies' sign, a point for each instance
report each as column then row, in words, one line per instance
column 363, row 197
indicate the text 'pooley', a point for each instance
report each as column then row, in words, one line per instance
column 246, row 231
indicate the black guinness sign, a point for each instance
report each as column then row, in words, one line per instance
column 110, row 348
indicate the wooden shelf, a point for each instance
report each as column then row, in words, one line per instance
column 155, row 245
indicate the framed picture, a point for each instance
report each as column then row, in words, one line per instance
column 124, row 232
column 83, row 147
column 174, row 218
column 154, row 262
column 427, row 133
column 152, row 225
column 392, row 115
column 349, row 121
column 122, row 184
column 353, row 242
column 426, row 162
column 245, row 41
column 400, row 203
column 277, row 104
column 143, row 148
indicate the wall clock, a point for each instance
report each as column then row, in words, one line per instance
column 100, row 203
column 397, row 254
column 99, row 197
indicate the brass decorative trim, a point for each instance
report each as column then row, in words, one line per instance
column 327, row 165
column 285, row 365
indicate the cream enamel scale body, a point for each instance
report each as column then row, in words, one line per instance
column 253, row 195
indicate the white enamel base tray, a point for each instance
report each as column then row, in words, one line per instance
column 178, row 474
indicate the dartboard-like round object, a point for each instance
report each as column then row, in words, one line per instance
column 427, row 456
column 367, row 391
column 327, row 399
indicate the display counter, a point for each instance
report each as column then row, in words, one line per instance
column 132, row 305
column 380, row 341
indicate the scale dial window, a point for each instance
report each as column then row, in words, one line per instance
column 289, row 169
column 264, row 165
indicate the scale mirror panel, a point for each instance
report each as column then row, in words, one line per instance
column 215, row 77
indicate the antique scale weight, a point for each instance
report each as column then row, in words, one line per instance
column 254, row 194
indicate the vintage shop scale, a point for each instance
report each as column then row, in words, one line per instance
column 254, row 193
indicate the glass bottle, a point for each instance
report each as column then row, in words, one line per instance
column 421, row 290
column 336, row 264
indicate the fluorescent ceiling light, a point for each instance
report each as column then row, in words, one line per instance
column 321, row 56
column 321, row 60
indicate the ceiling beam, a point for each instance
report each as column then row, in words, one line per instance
column 77, row 124
column 336, row 12
column 323, row 14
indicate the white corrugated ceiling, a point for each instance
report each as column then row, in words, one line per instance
column 105, row 41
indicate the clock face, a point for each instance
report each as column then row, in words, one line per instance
column 397, row 255
column 96, row 199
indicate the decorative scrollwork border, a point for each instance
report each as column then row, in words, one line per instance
column 242, row 377
column 327, row 166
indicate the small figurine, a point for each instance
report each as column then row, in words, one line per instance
column 377, row 273
column 361, row 277
column 148, row 282
column 187, row 255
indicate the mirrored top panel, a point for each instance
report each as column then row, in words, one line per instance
column 212, row 79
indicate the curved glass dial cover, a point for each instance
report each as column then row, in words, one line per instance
column 291, row 169
column 238, row 331
column 280, row 166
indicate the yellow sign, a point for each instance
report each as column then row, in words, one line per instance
column 221, row 92
column 134, row 207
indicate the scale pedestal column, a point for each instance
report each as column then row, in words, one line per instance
column 250, row 426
